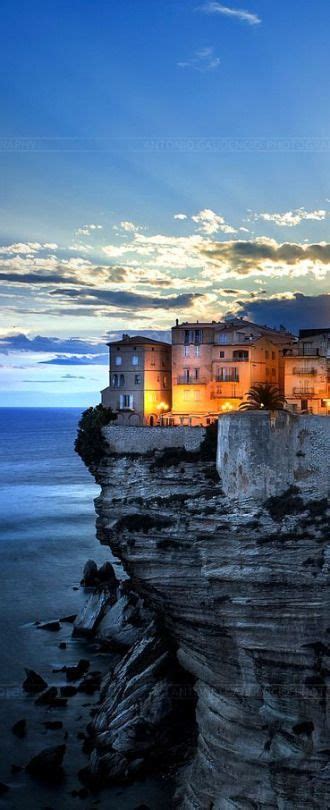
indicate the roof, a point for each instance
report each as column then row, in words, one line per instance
column 231, row 323
column 138, row 340
column 306, row 333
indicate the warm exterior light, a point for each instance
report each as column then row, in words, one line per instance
column 227, row 406
column 162, row 406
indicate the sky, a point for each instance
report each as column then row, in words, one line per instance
column 159, row 160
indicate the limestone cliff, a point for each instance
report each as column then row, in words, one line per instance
column 240, row 584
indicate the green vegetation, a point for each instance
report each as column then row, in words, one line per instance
column 89, row 442
column 263, row 395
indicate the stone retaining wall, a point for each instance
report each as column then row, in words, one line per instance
column 262, row 454
column 125, row 439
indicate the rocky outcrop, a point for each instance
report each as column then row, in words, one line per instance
column 240, row 586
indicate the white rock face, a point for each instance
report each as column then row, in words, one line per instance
column 242, row 590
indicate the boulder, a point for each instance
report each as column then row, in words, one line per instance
column 123, row 623
column 33, row 682
column 92, row 612
column 47, row 765
column 78, row 671
column 19, row 728
column 53, row 626
column 90, row 574
column 47, row 698
column 106, row 573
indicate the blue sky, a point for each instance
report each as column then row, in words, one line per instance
column 158, row 160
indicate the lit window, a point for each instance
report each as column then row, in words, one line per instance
column 118, row 360
column 186, row 351
column 164, row 381
column 240, row 354
column 135, row 360
column 197, row 351
column 137, row 379
column 186, row 395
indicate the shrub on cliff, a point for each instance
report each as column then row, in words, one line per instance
column 89, row 442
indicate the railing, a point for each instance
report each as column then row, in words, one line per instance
column 232, row 379
column 304, row 392
column 306, row 371
column 183, row 380
column 302, row 352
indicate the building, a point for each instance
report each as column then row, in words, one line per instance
column 307, row 372
column 140, row 384
column 215, row 364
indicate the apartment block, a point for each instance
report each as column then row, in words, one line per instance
column 307, row 372
column 215, row 364
column 140, row 386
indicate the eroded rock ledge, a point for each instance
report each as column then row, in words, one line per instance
column 240, row 585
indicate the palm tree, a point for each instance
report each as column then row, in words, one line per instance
column 263, row 396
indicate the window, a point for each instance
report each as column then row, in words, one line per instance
column 227, row 374
column 186, row 351
column 266, row 354
column 126, row 401
column 197, row 373
column 197, row 396
column 135, row 360
column 137, row 379
column 197, row 351
column 267, row 371
column 186, row 374
column 193, row 336
column 223, row 337
column 273, row 355
column 118, row 360
column 273, row 372
column 186, row 395
column 115, row 380
column 122, row 380
column 221, row 354
column 164, row 381
column 240, row 354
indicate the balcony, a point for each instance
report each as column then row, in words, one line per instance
column 183, row 380
column 309, row 372
column 234, row 378
column 304, row 393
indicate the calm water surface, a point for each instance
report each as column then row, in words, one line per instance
column 47, row 533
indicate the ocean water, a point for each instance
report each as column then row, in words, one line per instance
column 47, row 532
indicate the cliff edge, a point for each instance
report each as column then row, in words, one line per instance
column 236, row 564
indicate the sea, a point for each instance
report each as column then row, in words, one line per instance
column 47, row 532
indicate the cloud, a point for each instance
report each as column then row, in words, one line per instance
column 295, row 312
column 86, row 230
column 240, row 14
column 27, row 247
column 129, row 300
column 180, row 216
column 266, row 256
column 203, row 60
column 19, row 342
column 76, row 360
column 129, row 227
column 290, row 219
column 209, row 222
